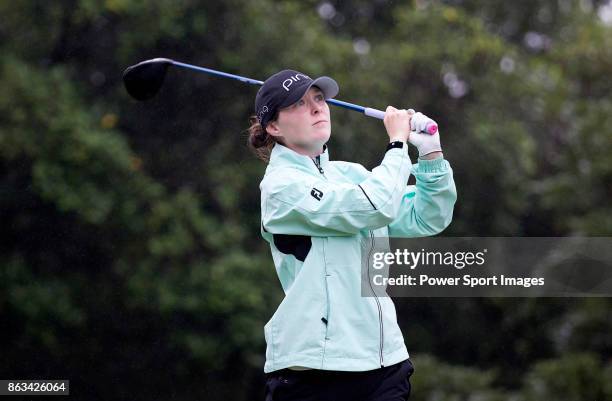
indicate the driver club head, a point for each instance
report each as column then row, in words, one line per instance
column 143, row 80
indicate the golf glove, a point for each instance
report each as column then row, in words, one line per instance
column 425, row 143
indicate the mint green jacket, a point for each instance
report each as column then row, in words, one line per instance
column 317, row 215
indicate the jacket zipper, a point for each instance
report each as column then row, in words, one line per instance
column 324, row 319
column 377, row 303
column 317, row 163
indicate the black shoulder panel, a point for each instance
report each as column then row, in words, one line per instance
column 296, row 245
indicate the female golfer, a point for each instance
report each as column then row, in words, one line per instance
column 326, row 341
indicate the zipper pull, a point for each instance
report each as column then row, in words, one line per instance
column 317, row 162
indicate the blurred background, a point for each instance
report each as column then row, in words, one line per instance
column 131, row 261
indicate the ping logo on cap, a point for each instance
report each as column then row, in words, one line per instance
column 263, row 111
column 294, row 78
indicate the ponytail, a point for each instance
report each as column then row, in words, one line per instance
column 259, row 141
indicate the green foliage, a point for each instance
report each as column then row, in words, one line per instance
column 572, row 377
column 435, row 380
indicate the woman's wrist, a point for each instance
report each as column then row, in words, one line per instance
column 398, row 138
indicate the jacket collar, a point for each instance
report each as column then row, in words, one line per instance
column 283, row 156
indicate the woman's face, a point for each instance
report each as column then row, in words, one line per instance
column 305, row 126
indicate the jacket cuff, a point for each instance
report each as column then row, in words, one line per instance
column 438, row 165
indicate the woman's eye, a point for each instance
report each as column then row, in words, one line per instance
column 319, row 98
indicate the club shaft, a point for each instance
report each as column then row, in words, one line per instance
column 368, row 111
column 218, row 73
column 351, row 106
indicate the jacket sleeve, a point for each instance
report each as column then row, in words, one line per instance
column 427, row 207
column 297, row 203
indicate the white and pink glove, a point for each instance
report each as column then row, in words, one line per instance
column 420, row 135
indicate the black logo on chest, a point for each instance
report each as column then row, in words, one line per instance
column 316, row 194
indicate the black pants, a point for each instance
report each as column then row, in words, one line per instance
column 390, row 383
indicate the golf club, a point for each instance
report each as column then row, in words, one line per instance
column 143, row 81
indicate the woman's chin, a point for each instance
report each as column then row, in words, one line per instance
column 322, row 136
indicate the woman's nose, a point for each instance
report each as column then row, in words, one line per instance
column 315, row 107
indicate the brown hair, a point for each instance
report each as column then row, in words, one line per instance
column 259, row 141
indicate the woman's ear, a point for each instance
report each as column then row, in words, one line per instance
column 273, row 129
